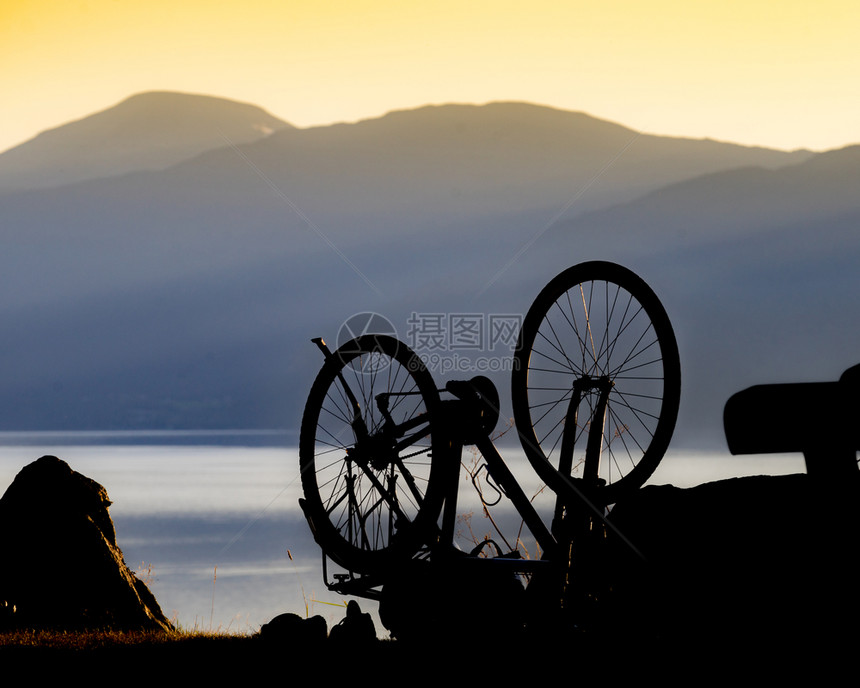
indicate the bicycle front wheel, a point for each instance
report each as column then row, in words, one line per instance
column 366, row 454
column 596, row 321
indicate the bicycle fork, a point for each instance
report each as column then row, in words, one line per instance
column 578, row 523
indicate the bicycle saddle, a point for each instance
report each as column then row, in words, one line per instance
column 481, row 399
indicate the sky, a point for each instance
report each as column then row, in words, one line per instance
column 783, row 74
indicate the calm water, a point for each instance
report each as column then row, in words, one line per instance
column 215, row 528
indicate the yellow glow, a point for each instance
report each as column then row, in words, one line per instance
column 778, row 73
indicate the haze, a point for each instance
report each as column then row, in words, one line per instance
column 781, row 74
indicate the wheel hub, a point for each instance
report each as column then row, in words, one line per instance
column 375, row 451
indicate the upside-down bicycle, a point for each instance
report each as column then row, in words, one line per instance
column 595, row 392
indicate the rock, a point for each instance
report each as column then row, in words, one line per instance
column 295, row 631
column 356, row 629
column 753, row 561
column 60, row 565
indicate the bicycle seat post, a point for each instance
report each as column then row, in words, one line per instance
column 451, row 444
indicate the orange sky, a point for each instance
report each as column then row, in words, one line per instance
column 784, row 74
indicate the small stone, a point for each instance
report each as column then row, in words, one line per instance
column 356, row 628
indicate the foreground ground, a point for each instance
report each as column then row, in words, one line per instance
column 142, row 658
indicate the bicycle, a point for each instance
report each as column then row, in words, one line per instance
column 595, row 392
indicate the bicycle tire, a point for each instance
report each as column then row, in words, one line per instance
column 597, row 318
column 369, row 501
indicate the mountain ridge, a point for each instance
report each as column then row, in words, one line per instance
column 35, row 163
column 449, row 159
column 146, row 131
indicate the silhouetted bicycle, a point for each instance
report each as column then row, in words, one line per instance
column 595, row 393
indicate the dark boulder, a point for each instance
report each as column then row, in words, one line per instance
column 293, row 631
column 755, row 561
column 60, row 565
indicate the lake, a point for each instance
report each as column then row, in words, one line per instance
column 211, row 520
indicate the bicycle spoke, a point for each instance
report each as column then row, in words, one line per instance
column 370, row 485
column 599, row 327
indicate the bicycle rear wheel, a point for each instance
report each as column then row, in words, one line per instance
column 597, row 321
column 366, row 454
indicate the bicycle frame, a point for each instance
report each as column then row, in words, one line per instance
column 572, row 495
column 459, row 416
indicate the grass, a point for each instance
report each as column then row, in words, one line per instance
column 136, row 655
column 216, row 657
column 95, row 639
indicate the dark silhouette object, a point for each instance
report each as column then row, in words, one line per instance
column 7, row 615
column 761, row 562
column 356, row 629
column 424, row 602
column 59, row 561
column 820, row 419
column 295, row 631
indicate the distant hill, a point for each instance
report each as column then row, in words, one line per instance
column 452, row 160
column 756, row 267
column 185, row 297
column 732, row 206
column 148, row 131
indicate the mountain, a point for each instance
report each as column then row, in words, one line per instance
column 185, row 297
column 148, row 131
column 756, row 267
column 455, row 160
